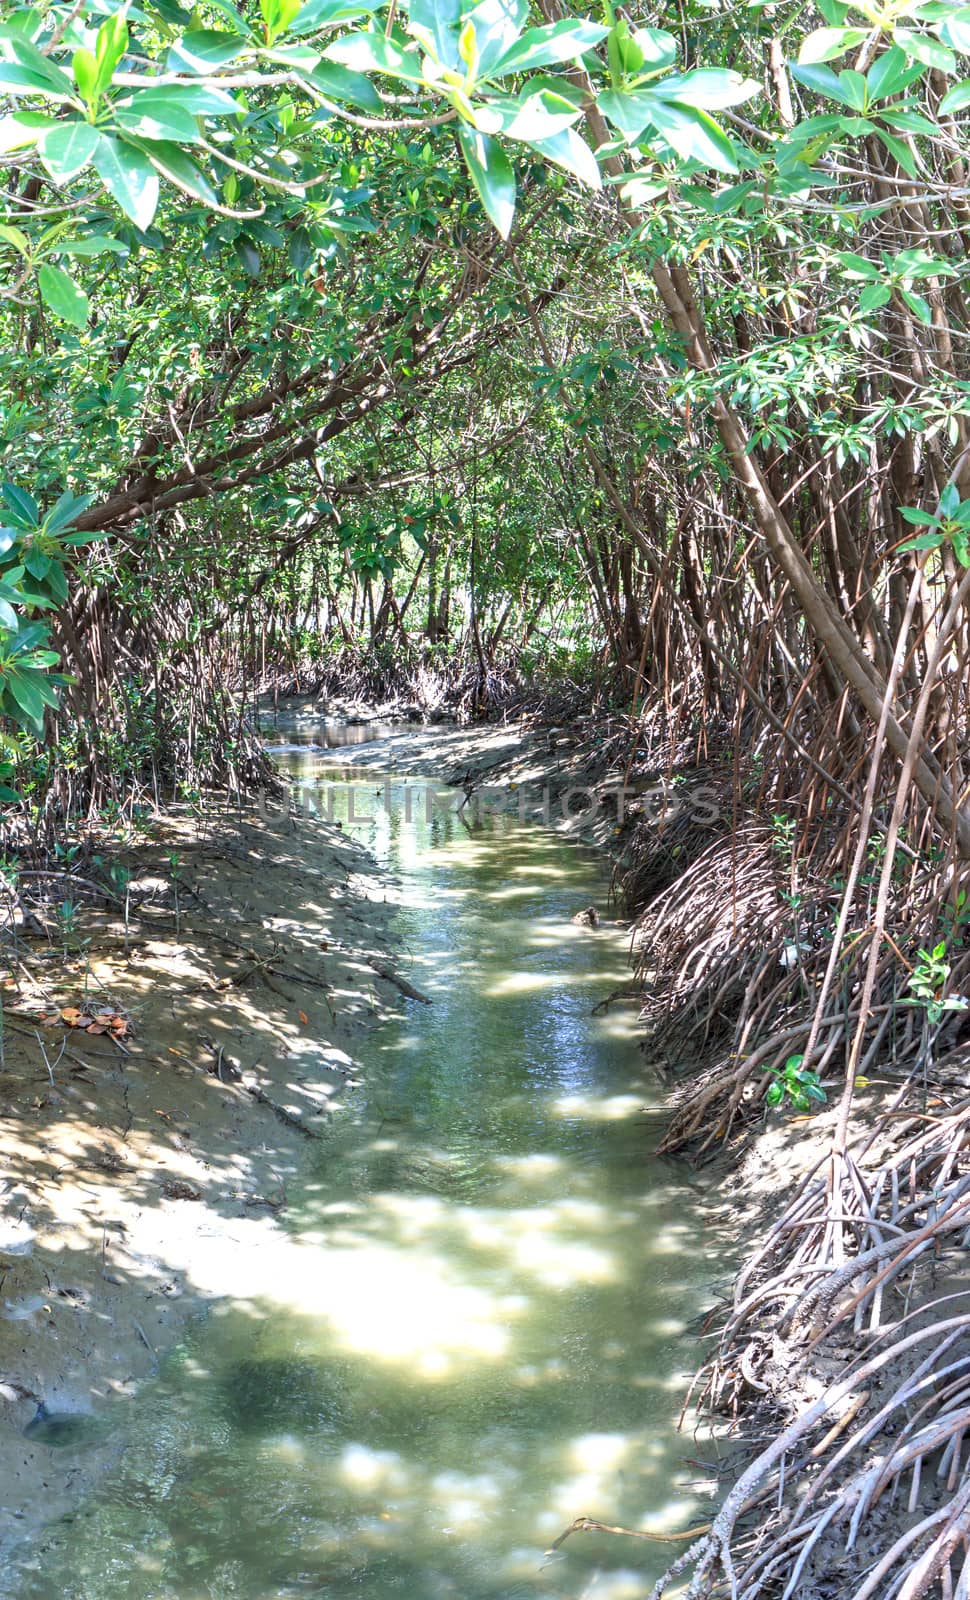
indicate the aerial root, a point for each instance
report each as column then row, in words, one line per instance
column 867, row 1473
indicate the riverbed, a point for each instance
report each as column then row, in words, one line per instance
column 474, row 1328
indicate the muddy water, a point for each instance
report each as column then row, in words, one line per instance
column 480, row 1336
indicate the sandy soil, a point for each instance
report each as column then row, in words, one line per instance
column 144, row 1176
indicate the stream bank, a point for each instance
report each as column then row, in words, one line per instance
column 146, row 1168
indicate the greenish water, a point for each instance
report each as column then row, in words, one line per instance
column 474, row 1334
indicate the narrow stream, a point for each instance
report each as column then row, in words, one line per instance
column 486, row 1338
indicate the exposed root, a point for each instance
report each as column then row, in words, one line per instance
column 839, row 1328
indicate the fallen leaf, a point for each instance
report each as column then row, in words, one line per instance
column 70, row 1015
column 97, row 1027
column 303, row 1017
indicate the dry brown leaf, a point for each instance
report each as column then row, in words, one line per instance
column 303, row 1017
column 97, row 1027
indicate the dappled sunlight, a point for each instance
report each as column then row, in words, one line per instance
column 460, row 1333
column 599, row 1108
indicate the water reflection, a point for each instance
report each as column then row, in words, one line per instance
column 472, row 1333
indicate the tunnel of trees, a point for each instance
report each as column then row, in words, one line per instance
column 497, row 355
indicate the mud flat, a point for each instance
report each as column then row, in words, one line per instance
column 144, row 1168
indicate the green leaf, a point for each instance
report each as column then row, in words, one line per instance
column 86, row 74
column 776, row 1094
column 926, row 541
column 17, row 238
column 823, row 81
column 918, row 306
column 318, row 14
column 130, row 177
column 909, row 121
column 25, row 509
column 27, row 55
column 198, row 99
column 339, row 83
column 249, row 256
column 540, row 47
column 64, row 510
column 17, row 134
column 826, row 44
column 567, row 149
column 491, row 173
column 15, row 79
column 694, row 136
column 630, row 113
column 153, row 117
column 277, row 15
column 497, row 25
column 22, row 684
column 858, row 267
column 173, row 163
column 535, row 116
column 67, row 148
column 110, row 46
column 874, row 296
column 62, row 295
column 922, row 519
column 203, row 50
column 890, row 73
column 658, row 49
column 955, row 30
column 709, row 90
column 93, row 244
column 901, row 153
column 923, row 47
column 435, row 23
column 955, row 99
column 372, row 52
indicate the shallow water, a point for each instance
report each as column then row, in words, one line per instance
column 485, row 1337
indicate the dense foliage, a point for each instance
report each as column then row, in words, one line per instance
column 444, row 344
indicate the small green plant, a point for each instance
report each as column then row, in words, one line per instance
column 950, row 525
column 956, row 916
column 928, row 981
column 792, row 1082
column 782, row 833
column 120, row 876
column 67, row 921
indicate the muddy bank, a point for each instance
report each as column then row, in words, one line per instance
column 145, row 1167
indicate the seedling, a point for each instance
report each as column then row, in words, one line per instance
column 928, row 981
column 796, row 1084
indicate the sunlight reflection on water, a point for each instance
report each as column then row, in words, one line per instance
column 472, row 1333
